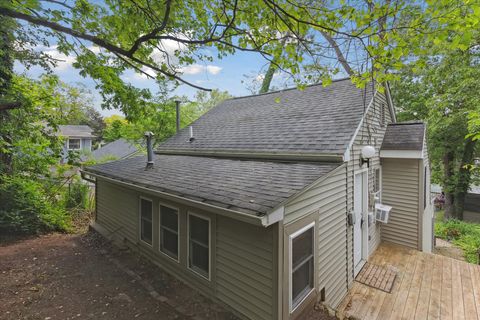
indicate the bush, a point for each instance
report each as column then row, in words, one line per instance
column 463, row 234
column 25, row 208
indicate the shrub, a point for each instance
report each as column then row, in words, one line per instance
column 463, row 234
column 76, row 195
column 25, row 208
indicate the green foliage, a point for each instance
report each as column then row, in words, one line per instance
column 443, row 93
column 308, row 40
column 27, row 208
column 161, row 118
column 463, row 234
column 76, row 195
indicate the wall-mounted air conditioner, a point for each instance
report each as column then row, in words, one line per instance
column 382, row 212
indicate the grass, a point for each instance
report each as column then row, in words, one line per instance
column 465, row 235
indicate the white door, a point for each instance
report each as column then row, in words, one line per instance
column 359, row 228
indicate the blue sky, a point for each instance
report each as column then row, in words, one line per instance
column 226, row 74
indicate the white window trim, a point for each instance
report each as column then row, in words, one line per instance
column 290, row 257
column 380, row 184
column 79, row 144
column 160, row 204
column 209, row 244
column 140, row 220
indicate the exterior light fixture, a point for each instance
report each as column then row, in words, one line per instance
column 367, row 153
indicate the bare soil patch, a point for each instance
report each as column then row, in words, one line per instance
column 61, row 276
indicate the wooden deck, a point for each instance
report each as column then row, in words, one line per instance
column 427, row 286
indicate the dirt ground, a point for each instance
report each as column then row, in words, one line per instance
column 60, row 276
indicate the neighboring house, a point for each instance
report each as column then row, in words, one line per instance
column 118, row 149
column 77, row 138
column 266, row 208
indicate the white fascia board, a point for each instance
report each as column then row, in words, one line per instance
column 402, row 154
column 274, row 216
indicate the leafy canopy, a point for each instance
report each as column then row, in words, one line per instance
column 309, row 40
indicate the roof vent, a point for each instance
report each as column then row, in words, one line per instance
column 191, row 135
column 177, row 114
column 148, row 136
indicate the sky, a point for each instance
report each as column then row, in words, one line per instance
column 226, row 75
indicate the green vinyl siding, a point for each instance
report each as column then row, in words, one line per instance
column 326, row 202
column 401, row 191
column 243, row 271
column 245, row 268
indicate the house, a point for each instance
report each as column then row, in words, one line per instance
column 267, row 203
column 77, row 138
column 115, row 150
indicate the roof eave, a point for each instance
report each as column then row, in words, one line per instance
column 237, row 215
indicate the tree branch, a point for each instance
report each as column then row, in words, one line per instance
column 341, row 58
column 94, row 39
column 9, row 105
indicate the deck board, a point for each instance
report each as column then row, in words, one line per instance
column 427, row 286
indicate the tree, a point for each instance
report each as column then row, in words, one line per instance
column 365, row 39
column 160, row 118
column 443, row 93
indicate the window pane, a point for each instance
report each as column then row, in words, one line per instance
column 302, row 247
column 147, row 231
column 74, row 144
column 302, row 281
column 169, row 243
column 199, row 257
column 146, row 209
column 199, row 229
column 169, row 218
column 146, row 221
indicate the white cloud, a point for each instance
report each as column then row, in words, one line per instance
column 63, row 61
column 197, row 68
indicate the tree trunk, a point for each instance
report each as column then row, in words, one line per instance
column 463, row 178
column 448, row 176
column 267, row 80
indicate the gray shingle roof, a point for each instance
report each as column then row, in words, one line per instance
column 318, row 120
column 119, row 149
column 404, row 136
column 79, row 131
column 253, row 187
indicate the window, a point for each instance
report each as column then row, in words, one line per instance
column 146, row 225
column 302, row 266
column 199, row 245
column 169, row 231
column 73, row 144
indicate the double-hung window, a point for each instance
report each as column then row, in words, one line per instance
column 73, row 144
column 146, row 220
column 302, row 264
column 199, row 245
column 169, row 231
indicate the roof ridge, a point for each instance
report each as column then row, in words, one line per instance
column 286, row 89
column 406, row 123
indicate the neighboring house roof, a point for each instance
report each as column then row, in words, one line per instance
column 472, row 202
column 317, row 120
column 77, row 131
column 119, row 149
column 404, row 136
column 252, row 187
